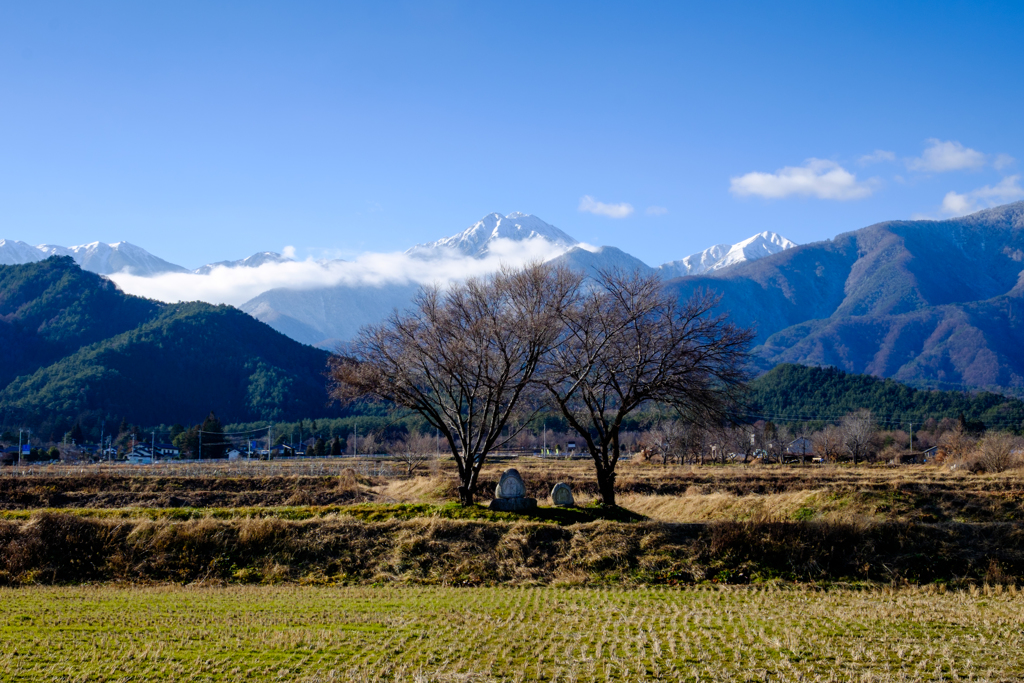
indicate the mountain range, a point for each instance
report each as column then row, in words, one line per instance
column 326, row 316
column 929, row 303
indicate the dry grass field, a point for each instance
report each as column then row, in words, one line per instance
column 398, row 633
column 672, row 494
column 350, row 571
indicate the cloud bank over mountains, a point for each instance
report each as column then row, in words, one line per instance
column 236, row 285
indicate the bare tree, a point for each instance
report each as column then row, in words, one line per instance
column 956, row 442
column 858, row 429
column 627, row 343
column 828, row 443
column 998, row 453
column 463, row 358
column 676, row 435
column 414, row 450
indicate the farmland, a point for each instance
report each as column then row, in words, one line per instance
column 517, row 634
column 351, row 570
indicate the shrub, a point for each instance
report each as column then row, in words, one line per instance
column 996, row 453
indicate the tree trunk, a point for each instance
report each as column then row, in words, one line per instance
column 606, row 486
column 468, row 478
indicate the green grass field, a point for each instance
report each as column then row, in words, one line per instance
column 296, row 633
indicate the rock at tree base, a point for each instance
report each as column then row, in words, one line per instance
column 510, row 494
column 510, row 485
column 561, row 495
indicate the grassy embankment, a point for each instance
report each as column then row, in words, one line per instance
column 273, row 522
column 514, row 634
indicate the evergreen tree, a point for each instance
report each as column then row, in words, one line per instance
column 213, row 443
column 76, row 434
column 319, row 447
column 187, row 442
column 336, row 446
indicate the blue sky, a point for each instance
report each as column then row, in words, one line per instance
column 207, row 131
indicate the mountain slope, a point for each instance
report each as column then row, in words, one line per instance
column 797, row 393
column 190, row 359
column 595, row 259
column 933, row 303
column 86, row 352
column 51, row 308
column 324, row 317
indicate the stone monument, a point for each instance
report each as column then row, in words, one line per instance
column 510, row 494
column 561, row 495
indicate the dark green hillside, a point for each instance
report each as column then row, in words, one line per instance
column 188, row 360
column 799, row 393
column 53, row 308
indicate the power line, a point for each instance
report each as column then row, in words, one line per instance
column 885, row 420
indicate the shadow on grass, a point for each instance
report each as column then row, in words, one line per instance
column 375, row 512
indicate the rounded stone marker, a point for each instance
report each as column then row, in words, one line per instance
column 561, row 495
column 510, row 485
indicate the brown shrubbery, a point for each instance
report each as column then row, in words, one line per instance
column 996, row 453
column 62, row 548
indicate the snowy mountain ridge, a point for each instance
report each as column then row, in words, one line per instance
column 724, row 255
column 476, row 240
column 97, row 257
column 254, row 261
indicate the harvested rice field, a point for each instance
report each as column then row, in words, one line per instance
column 409, row 633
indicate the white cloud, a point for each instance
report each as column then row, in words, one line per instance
column 288, row 252
column 656, row 210
column 877, row 156
column 1006, row 190
column 1002, row 161
column 940, row 157
column 819, row 178
column 591, row 205
column 235, row 286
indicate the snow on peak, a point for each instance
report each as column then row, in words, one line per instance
column 97, row 257
column 254, row 261
column 723, row 255
column 477, row 238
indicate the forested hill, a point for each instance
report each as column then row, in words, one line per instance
column 53, row 308
column 85, row 351
column 799, row 393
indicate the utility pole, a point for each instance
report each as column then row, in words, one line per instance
column 153, row 454
column 911, row 449
column 103, row 424
column 19, row 448
column 200, row 442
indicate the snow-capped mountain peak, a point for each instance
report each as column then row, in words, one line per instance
column 723, row 255
column 477, row 238
column 255, row 261
column 97, row 257
column 13, row 253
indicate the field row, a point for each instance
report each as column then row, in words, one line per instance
column 514, row 634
